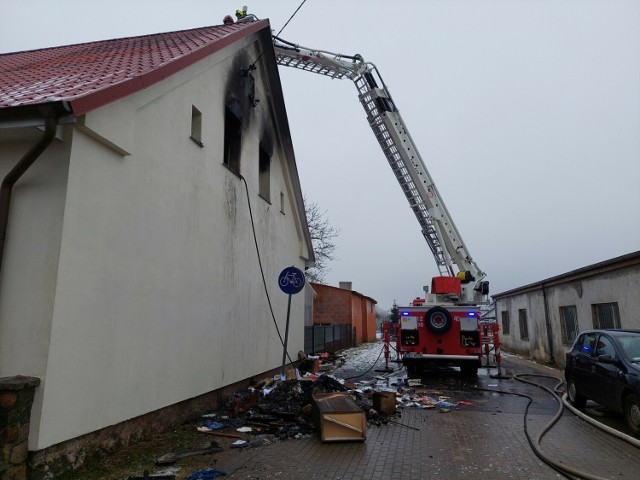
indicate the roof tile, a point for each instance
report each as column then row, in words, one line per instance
column 88, row 69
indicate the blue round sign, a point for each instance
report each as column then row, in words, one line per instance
column 291, row 280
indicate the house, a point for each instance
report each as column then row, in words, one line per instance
column 344, row 306
column 149, row 186
column 542, row 319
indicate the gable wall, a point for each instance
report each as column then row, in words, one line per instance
column 159, row 295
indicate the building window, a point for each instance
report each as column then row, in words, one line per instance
column 232, row 140
column 196, row 126
column 264, row 172
column 524, row 327
column 506, row 327
column 605, row 315
column 568, row 324
column 282, row 203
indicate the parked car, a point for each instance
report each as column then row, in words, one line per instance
column 604, row 366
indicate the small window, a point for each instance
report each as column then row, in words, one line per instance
column 568, row 324
column 282, row 203
column 196, row 126
column 232, row 140
column 605, row 315
column 506, row 327
column 264, row 172
column 524, row 327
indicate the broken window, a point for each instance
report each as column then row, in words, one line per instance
column 232, row 140
column 264, row 172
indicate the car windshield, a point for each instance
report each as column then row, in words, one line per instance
column 631, row 346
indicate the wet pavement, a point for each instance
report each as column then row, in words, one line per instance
column 479, row 431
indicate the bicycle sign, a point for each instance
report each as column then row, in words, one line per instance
column 291, row 280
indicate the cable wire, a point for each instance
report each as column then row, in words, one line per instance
column 294, row 13
column 264, row 281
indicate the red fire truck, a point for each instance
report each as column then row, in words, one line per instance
column 443, row 328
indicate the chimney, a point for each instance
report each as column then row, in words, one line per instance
column 345, row 285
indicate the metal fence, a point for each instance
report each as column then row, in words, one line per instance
column 327, row 338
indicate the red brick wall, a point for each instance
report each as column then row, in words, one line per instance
column 333, row 306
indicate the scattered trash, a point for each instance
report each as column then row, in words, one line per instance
column 240, row 444
column 206, row 474
column 172, row 457
column 146, row 476
column 244, row 429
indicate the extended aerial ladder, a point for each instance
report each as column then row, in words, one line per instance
column 437, row 226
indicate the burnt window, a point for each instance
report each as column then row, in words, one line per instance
column 264, row 174
column 232, row 140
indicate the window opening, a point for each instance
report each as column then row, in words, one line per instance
column 196, row 126
column 264, row 174
column 506, row 327
column 568, row 324
column 605, row 315
column 232, row 140
column 524, row 327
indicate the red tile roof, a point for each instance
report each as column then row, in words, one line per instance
column 89, row 75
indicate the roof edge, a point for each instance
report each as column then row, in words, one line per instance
column 94, row 100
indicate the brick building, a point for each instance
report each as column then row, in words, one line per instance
column 341, row 305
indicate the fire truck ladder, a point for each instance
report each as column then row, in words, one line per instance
column 396, row 143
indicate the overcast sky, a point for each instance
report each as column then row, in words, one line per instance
column 526, row 113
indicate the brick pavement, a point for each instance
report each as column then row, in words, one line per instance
column 482, row 441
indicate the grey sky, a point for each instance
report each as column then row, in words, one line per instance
column 526, row 112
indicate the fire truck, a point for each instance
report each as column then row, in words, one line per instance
column 444, row 328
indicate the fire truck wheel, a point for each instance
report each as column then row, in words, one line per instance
column 438, row 320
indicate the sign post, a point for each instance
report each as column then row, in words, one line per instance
column 291, row 281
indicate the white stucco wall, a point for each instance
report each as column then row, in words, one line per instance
column 158, row 295
column 616, row 286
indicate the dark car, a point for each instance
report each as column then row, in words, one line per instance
column 604, row 366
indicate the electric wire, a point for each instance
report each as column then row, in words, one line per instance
column 294, row 13
column 264, row 281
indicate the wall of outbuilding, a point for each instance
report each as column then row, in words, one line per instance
column 545, row 343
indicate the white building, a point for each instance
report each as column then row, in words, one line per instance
column 542, row 319
column 130, row 279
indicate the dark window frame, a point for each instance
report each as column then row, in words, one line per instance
column 264, row 174
column 569, row 334
column 232, row 140
column 524, row 325
column 506, row 322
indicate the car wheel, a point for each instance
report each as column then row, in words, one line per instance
column 575, row 398
column 632, row 413
column 438, row 320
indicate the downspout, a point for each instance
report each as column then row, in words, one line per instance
column 547, row 322
column 16, row 172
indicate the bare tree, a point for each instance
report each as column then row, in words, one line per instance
column 322, row 238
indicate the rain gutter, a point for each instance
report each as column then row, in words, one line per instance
column 547, row 322
column 50, row 126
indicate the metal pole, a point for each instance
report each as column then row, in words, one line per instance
column 286, row 339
